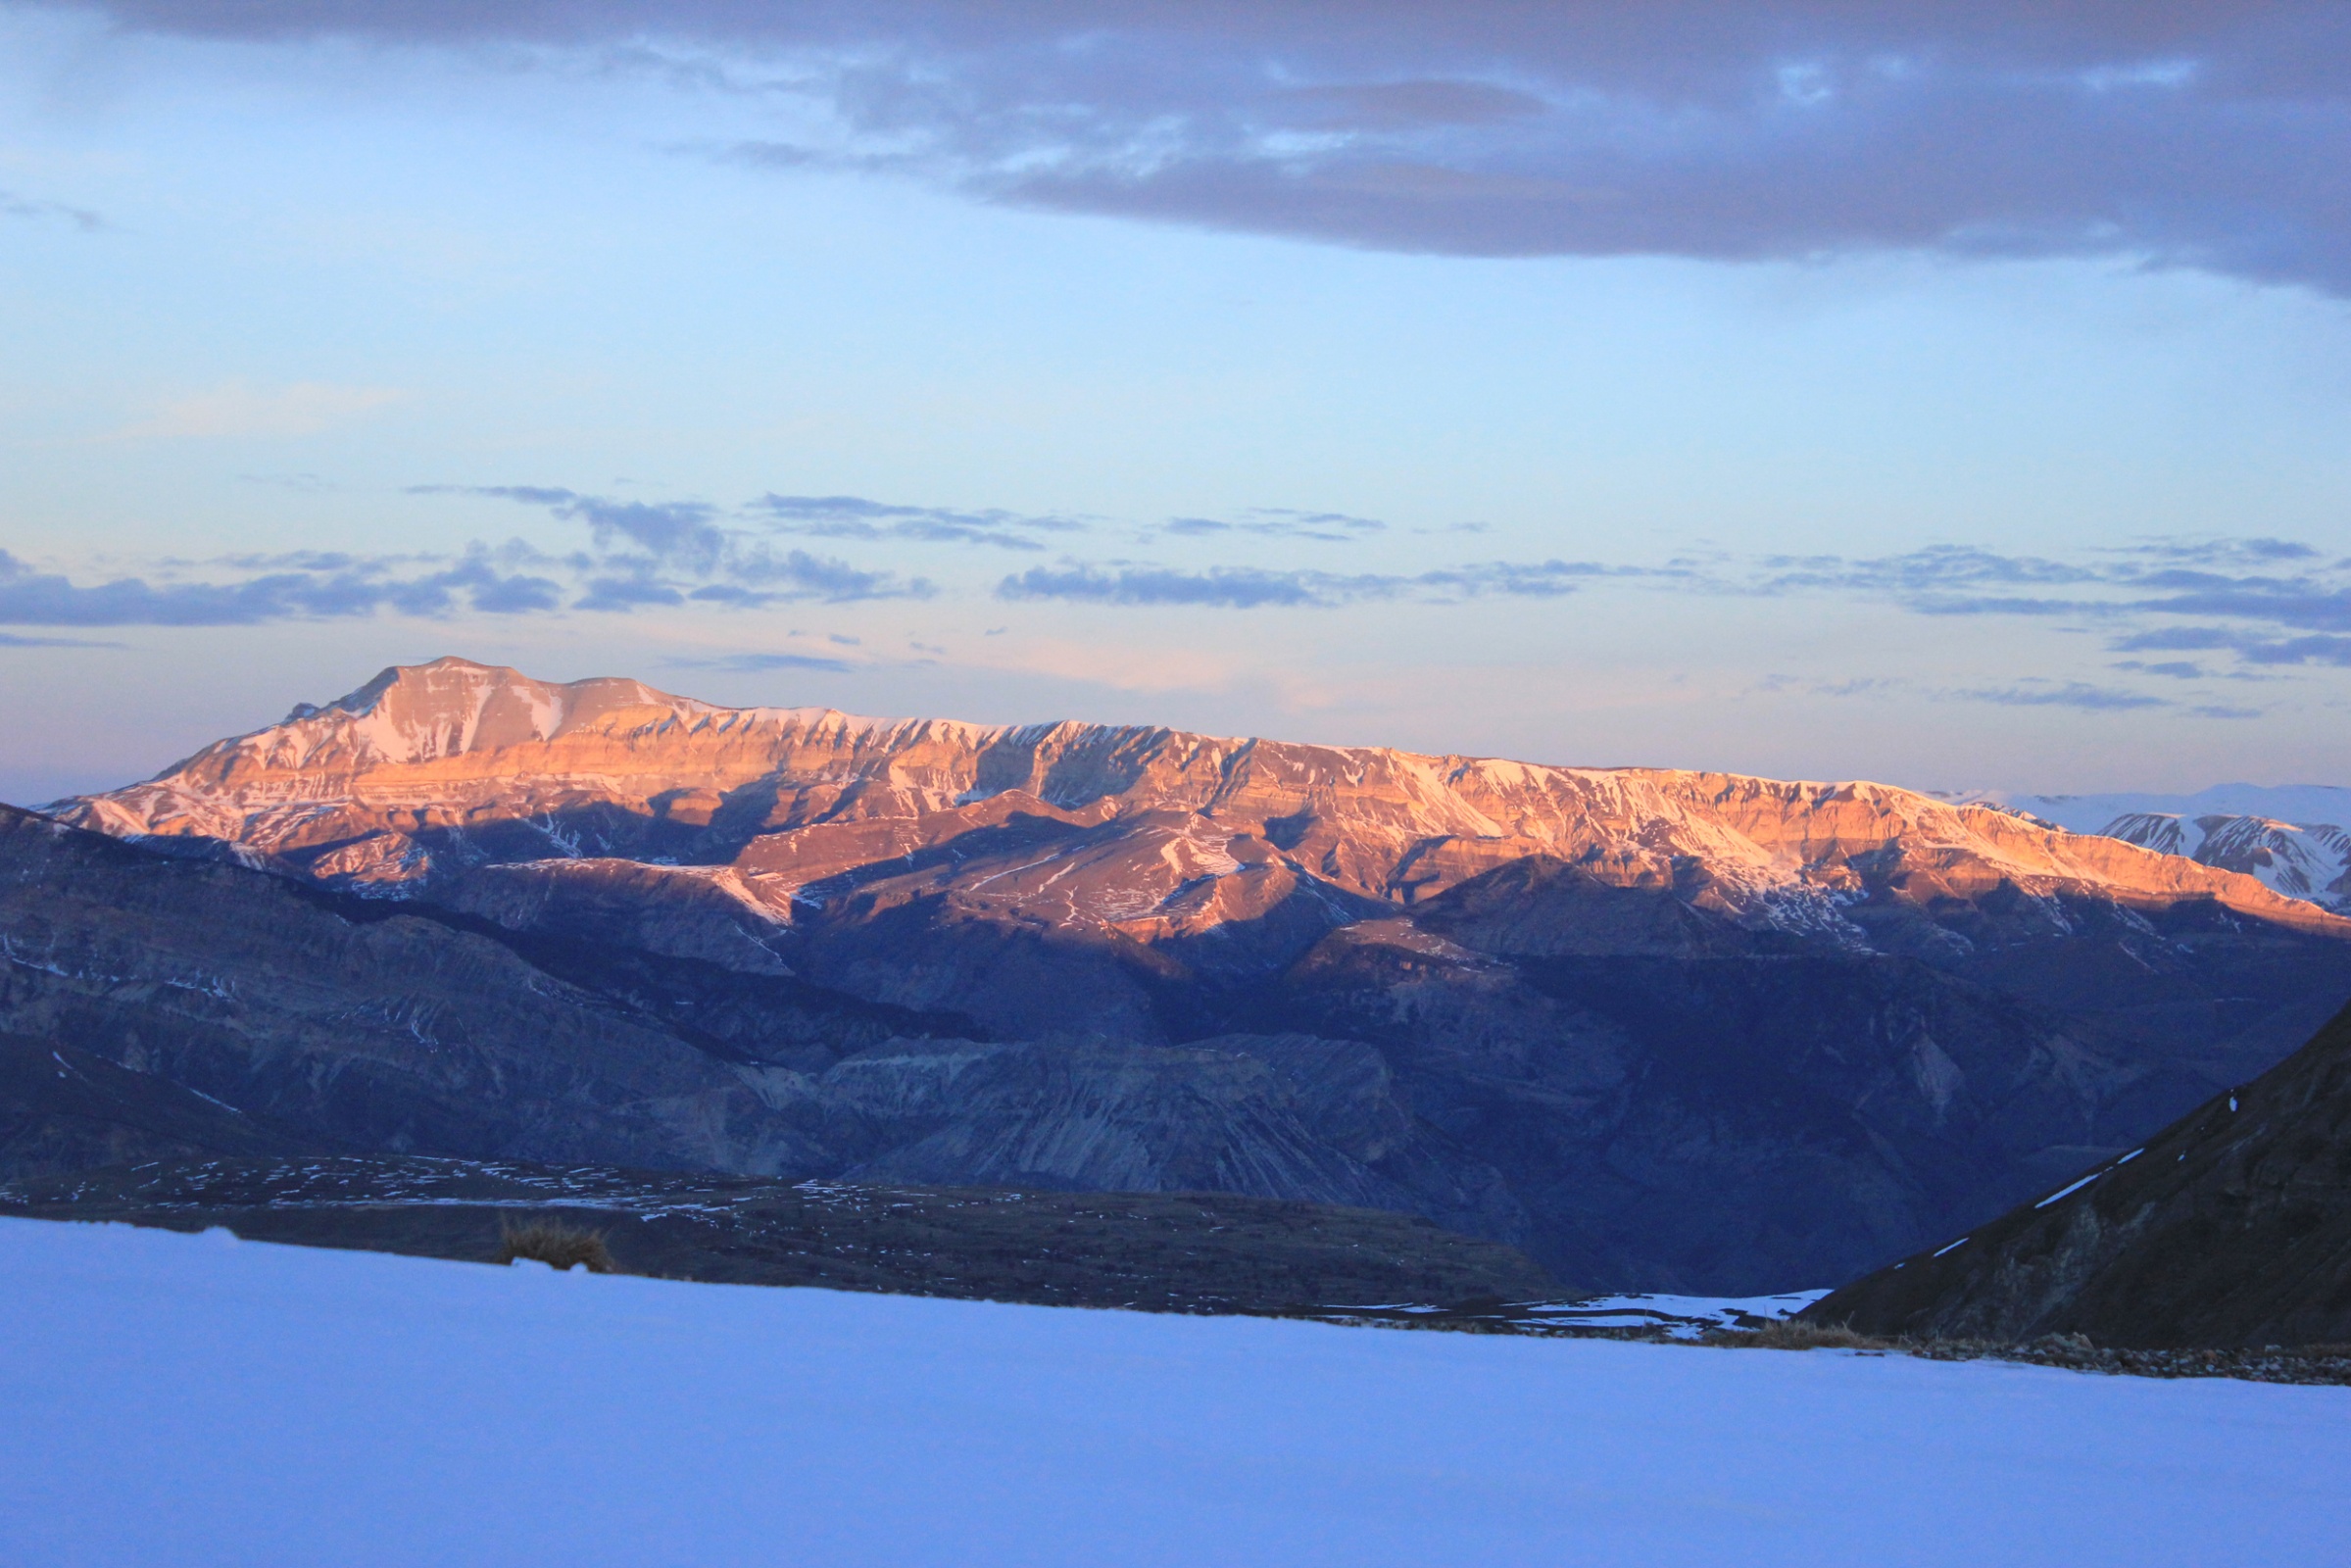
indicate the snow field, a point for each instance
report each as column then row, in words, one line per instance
column 169, row 1400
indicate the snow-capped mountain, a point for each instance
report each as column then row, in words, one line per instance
column 427, row 773
column 1664, row 1030
column 2291, row 837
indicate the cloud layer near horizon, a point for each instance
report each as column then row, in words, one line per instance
column 2237, row 609
column 2208, row 135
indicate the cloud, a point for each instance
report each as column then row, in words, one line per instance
column 2080, row 696
column 2221, row 550
column 13, row 205
column 754, row 663
column 2228, row 580
column 352, row 586
column 2215, row 136
column 674, row 553
column 797, row 574
column 2071, row 694
column 11, row 640
column 856, row 517
column 1941, row 579
column 1280, row 523
column 2178, row 639
column 1234, row 587
column 643, row 555
column 677, row 531
column 1254, row 587
column 2302, row 604
column 2252, row 647
column 1857, row 686
column 234, row 408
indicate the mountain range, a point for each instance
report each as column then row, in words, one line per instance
column 1660, row 1029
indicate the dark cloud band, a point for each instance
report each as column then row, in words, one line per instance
column 2215, row 136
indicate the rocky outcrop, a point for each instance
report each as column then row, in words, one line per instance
column 2231, row 1227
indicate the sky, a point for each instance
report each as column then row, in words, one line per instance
column 1956, row 396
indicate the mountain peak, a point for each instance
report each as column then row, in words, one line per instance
column 419, row 767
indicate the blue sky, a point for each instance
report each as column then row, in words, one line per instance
column 1942, row 395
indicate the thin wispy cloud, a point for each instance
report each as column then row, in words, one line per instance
column 2277, row 587
column 858, row 518
column 2252, row 647
column 760, row 664
column 14, row 205
column 352, row 586
column 639, row 555
column 2068, row 693
column 2082, row 697
column 12, row 640
column 1278, row 522
column 1255, row 587
column 2178, row 611
column 2213, row 136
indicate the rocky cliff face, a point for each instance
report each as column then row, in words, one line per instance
column 1664, row 1028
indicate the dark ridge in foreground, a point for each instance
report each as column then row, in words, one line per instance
column 1179, row 1253
column 2231, row 1228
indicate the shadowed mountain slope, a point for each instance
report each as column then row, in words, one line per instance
column 155, row 1006
column 2231, row 1227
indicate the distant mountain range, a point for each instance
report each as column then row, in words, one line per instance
column 1663, row 1030
column 2293, row 839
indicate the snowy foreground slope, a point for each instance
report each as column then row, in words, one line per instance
column 174, row 1399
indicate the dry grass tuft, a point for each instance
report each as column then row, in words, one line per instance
column 555, row 1244
column 1802, row 1333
